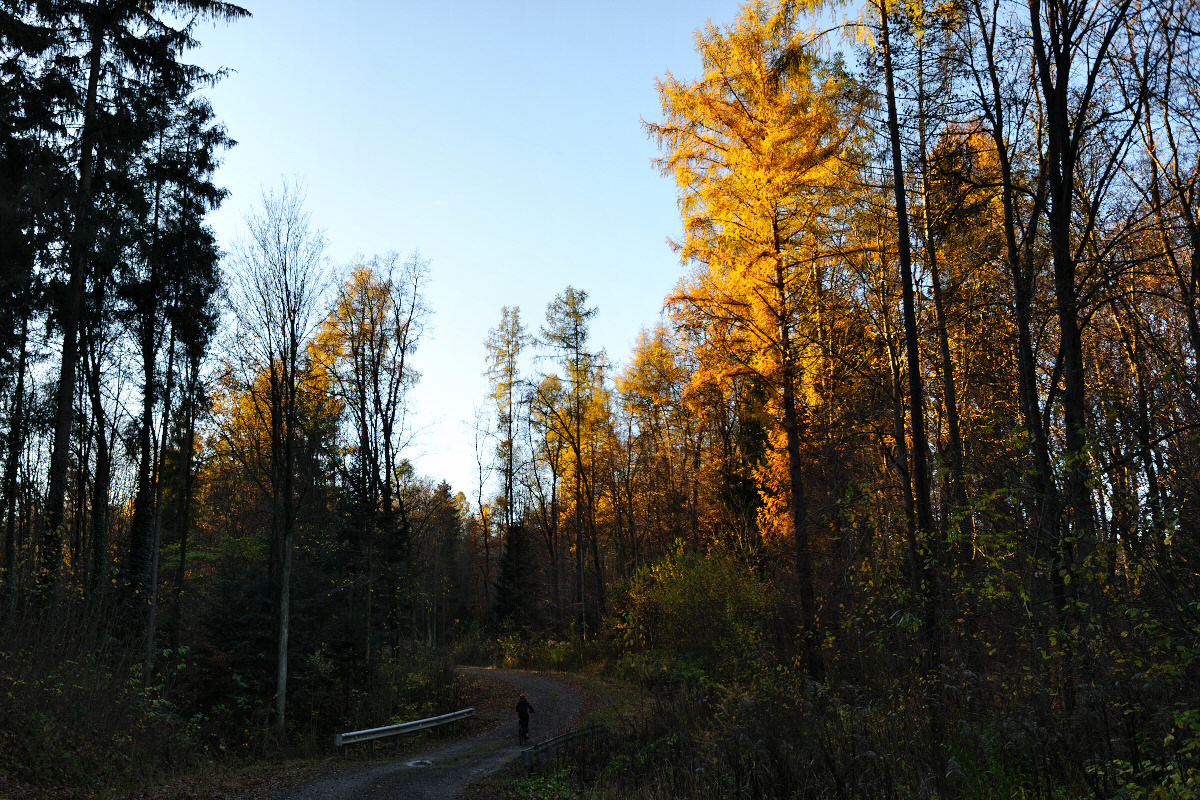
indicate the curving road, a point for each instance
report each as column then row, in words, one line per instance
column 443, row 773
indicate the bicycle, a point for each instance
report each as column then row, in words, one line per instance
column 523, row 730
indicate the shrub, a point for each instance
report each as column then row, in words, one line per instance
column 691, row 614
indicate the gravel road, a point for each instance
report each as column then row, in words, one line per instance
column 443, row 773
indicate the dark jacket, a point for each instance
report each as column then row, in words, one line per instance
column 524, row 709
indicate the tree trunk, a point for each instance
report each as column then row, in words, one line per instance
column 1043, row 505
column 16, row 432
column 814, row 663
column 1154, row 499
column 185, row 509
column 918, row 452
column 81, row 240
column 929, row 572
column 152, row 616
column 101, row 478
column 954, row 446
column 143, row 555
column 288, row 430
column 281, row 655
column 900, row 457
column 1055, row 49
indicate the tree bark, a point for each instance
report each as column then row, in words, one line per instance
column 183, row 517
column 954, row 446
column 16, row 433
column 81, row 241
column 814, row 663
column 288, row 465
column 929, row 570
column 101, row 478
column 152, row 615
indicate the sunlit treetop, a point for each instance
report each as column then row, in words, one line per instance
column 757, row 143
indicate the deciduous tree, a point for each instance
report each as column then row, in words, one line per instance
column 280, row 281
column 758, row 147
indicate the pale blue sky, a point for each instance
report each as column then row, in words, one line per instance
column 501, row 139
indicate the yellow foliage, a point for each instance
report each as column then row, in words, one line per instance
column 766, row 150
column 763, row 148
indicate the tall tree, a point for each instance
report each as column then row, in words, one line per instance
column 566, row 335
column 504, row 345
column 366, row 345
column 756, row 147
column 281, row 275
column 122, row 37
column 547, row 449
column 168, row 289
column 925, row 565
column 1071, row 43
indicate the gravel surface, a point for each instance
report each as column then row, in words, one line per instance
column 444, row 773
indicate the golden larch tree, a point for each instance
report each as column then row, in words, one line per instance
column 758, row 147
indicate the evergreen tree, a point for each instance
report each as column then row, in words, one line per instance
column 118, row 41
column 515, row 584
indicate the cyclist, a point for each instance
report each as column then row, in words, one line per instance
column 524, row 709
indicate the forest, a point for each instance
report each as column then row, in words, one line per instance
column 898, row 499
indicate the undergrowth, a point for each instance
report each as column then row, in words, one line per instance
column 84, row 715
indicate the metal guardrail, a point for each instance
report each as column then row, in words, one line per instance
column 370, row 735
column 545, row 751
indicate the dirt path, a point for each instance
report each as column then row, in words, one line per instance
column 443, row 773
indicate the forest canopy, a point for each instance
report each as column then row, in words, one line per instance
column 898, row 498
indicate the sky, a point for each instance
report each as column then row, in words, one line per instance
column 502, row 140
